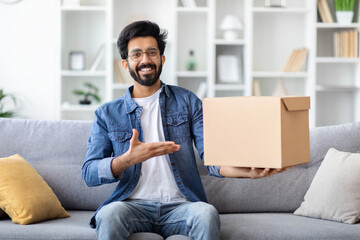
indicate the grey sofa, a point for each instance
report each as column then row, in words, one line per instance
column 250, row 209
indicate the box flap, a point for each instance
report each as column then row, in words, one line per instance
column 296, row 103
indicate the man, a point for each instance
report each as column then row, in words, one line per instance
column 144, row 141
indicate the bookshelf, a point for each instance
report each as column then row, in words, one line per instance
column 262, row 48
column 336, row 93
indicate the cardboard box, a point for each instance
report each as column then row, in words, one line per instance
column 262, row 132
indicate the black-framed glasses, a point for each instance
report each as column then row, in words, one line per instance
column 137, row 55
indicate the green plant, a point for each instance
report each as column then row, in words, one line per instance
column 92, row 91
column 344, row 5
column 3, row 99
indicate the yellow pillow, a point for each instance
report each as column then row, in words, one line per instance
column 24, row 195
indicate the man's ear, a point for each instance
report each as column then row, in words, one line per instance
column 125, row 64
column 163, row 59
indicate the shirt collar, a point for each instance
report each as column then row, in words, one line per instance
column 131, row 104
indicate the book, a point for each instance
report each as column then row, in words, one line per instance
column 290, row 62
column 256, row 88
column 324, row 11
column 356, row 43
column 296, row 60
column 326, row 7
column 337, row 44
column 321, row 11
column 98, row 57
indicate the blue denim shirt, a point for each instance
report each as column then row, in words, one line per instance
column 181, row 115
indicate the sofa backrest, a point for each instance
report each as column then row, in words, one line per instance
column 281, row 192
column 56, row 149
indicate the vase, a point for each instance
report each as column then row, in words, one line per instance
column 280, row 89
column 344, row 17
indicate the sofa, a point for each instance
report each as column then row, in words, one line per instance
column 249, row 208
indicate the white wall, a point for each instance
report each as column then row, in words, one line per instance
column 29, row 55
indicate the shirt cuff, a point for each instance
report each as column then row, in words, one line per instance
column 104, row 169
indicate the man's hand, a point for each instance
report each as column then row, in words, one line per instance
column 139, row 152
column 243, row 172
column 264, row 172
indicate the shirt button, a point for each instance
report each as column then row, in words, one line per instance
column 175, row 122
column 119, row 138
column 172, row 163
column 164, row 124
column 179, row 183
column 162, row 106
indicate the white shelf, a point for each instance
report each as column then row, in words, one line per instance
column 229, row 87
column 83, row 8
column 336, row 60
column 83, row 108
column 337, row 25
column 85, row 73
column 328, row 88
column 229, row 42
column 280, row 10
column 261, row 74
column 191, row 74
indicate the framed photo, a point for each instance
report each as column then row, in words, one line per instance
column 228, row 69
column 77, row 60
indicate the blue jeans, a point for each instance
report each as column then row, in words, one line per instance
column 118, row 220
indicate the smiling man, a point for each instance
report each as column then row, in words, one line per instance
column 144, row 141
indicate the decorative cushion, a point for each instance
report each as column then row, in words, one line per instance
column 24, row 195
column 334, row 192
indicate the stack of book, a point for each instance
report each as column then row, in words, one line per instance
column 324, row 11
column 346, row 44
column 296, row 60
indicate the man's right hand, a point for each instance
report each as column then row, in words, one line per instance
column 139, row 152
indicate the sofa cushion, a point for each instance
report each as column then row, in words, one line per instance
column 334, row 193
column 24, row 195
column 74, row 228
column 283, row 226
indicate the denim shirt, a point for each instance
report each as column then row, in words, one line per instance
column 181, row 115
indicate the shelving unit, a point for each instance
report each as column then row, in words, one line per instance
column 264, row 44
column 337, row 82
column 83, row 28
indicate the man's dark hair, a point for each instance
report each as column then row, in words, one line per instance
column 141, row 29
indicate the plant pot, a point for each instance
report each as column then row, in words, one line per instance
column 344, row 17
column 85, row 102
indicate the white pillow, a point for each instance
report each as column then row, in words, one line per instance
column 334, row 193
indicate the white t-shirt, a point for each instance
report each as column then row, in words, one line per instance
column 157, row 182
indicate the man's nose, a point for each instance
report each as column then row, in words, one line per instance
column 145, row 58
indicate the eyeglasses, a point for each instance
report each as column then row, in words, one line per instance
column 137, row 55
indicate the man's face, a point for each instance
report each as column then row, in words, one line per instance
column 144, row 61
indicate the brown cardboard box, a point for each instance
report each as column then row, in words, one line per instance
column 262, row 132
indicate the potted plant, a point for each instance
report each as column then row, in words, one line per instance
column 3, row 100
column 344, row 11
column 91, row 92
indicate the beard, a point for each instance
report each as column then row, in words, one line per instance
column 150, row 79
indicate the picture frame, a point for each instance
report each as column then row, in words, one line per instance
column 228, row 69
column 77, row 60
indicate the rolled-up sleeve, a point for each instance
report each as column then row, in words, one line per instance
column 96, row 169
